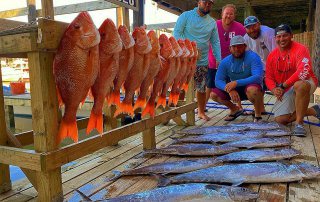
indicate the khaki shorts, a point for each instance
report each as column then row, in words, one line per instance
column 287, row 105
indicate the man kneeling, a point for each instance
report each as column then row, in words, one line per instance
column 239, row 77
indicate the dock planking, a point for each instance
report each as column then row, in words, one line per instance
column 89, row 173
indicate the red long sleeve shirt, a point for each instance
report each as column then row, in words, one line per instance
column 289, row 66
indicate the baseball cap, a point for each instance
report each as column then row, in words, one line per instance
column 283, row 28
column 212, row 1
column 237, row 40
column 250, row 20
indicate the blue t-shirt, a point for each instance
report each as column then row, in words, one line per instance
column 246, row 70
column 202, row 30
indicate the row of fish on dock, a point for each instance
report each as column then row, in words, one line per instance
column 104, row 60
column 247, row 153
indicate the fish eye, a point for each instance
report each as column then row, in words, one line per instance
column 77, row 26
column 161, row 45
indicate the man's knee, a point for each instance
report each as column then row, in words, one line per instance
column 302, row 87
column 214, row 96
column 282, row 119
column 253, row 91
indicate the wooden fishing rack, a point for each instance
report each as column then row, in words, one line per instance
column 42, row 165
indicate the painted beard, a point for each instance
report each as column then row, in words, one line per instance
column 204, row 12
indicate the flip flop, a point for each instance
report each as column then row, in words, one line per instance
column 232, row 117
column 317, row 109
column 252, row 113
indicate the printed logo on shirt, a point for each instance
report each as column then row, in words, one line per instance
column 305, row 60
column 231, row 34
column 305, row 72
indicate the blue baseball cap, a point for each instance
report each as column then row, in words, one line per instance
column 237, row 40
column 283, row 28
column 250, row 20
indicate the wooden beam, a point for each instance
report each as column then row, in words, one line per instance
column 249, row 10
column 311, row 17
column 45, row 115
column 5, row 182
column 9, row 116
column 316, row 46
column 138, row 16
column 47, row 9
column 62, row 10
column 161, row 26
column 32, row 11
column 55, row 159
column 149, row 138
column 6, row 24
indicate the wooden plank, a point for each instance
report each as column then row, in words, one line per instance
column 47, row 9
column 138, row 16
column 316, row 42
column 67, row 154
column 149, row 139
column 9, row 24
column 5, row 182
column 32, row 11
column 190, row 98
column 110, row 122
column 45, row 114
column 61, row 10
column 19, row 43
column 9, row 114
column 134, row 5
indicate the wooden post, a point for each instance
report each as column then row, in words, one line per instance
column 138, row 17
column 311, row 17
column 316, row 43
column 191, row 118
column 45, row 115
column 10, row 116
column 5, row 182
column 32, row 11
column 149, row 138
column 47, row 9
column 248, row 10
column 110, row 121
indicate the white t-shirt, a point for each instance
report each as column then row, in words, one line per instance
column 263, row 45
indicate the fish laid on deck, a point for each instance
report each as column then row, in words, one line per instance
column 263, row 125
column 190, row 192
column 260, row 155
column 220, row 137
column 277, row 133
column 213, row 129
column 75, row 69
column 193, row 150
column 260, row 143
column 236, row 174
column 181, row 166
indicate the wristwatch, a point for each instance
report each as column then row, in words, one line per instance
column 281, row 86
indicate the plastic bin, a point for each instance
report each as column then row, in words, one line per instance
column 18, row 87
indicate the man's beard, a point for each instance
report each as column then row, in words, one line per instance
column 204, row 12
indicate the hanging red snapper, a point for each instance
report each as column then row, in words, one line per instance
column 109, row 49
column 75, row 68
column 125, row 64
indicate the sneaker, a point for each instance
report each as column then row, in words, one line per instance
column 299, row 130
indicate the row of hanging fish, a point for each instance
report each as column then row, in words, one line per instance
column 103, row 60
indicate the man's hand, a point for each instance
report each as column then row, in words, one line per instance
column 230, row 86
column 278, row 92
column 234, row 96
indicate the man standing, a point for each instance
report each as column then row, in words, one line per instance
column 290, row 78
column 197, row 25
column 239, row 77
column 227, row 28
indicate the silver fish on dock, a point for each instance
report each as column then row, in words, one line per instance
column 190, row 192
column 213, row 129
column 194, row 150
column 260, row 143
column 236, row 174
column 260, row 155
column 277, row 133
column 173, row 167
column 263, row 125
column 220, row 137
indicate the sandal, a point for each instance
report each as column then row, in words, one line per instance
column 252, row 113
column 232, row 117
column 257, row 119
column 317, row 109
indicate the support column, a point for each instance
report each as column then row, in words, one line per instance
column 45, row 116
column 10, row 116
column 149, row 138
column 316, row 43
column 123, row 17
column 311, row 17
column 32, row 11
column 248, row 10
column 138, row 17
column 191, row 117
column 5, row 182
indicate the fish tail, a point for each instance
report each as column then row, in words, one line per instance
column 161, row 102
column 95, row 122
column 124, row 108
column 67, row 130
column 140, row 103
column 162, row 180
column 60, row 101
column 117, row 175
column 185, row 87
column 114, row 98
column 171, row 98
column 149, row 109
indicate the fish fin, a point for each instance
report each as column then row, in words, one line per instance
column 83, row 196
column 140, row 103
column 176, row 99
column 124, row 108
column 67, row 130
column 114, row 98
column 82, row 103
column 170, row 100
column 95, row 122
column 60, row 101
column 161, row 102
column 185, row 87
column 149, row 109
column 117, row 175
column 90, row 95
column 162, row 180
column 237, row 182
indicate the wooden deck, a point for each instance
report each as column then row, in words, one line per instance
column 89, row 173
